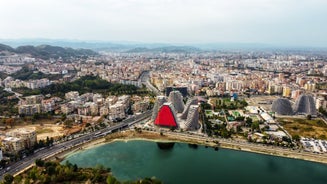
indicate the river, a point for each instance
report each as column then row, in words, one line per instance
column 184, row 163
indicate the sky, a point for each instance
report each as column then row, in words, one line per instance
column 279, row 22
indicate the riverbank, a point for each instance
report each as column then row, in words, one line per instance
column 215, row 143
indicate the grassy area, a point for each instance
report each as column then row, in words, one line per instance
column 254, row 118
column 208, row 113
column 226, row 103
column 314, row 128
column 236, row 114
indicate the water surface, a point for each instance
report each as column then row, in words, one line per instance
column 186, row 164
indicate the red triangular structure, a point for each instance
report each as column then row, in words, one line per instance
column 165, row 117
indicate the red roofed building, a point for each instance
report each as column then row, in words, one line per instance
column 166, row 116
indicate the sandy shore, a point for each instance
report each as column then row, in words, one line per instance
column 155, row 136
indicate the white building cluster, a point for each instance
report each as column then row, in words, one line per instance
column 18, row 140
column 9, row 82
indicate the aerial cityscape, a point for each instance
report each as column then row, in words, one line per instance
column 152, row 92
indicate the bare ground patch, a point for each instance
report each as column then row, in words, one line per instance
column 314, row 128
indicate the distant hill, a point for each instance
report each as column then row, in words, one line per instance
column 168, row 49
column 6, row 48
column 135, row 46
column 48, row 51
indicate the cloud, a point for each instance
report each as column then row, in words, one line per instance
column 271, row 21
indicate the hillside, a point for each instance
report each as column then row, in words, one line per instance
column 6, row 48
column 84, row 85
column 48, row 51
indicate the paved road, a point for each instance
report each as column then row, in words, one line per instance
column 253, row 146
column 145, row 80
column 60, row 147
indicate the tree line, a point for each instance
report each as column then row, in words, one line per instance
column 53, row 172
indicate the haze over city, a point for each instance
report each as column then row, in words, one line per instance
column 275, row 22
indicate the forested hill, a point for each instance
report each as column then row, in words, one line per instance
column 47, row 51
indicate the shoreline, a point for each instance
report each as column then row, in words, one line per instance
column 156, row 137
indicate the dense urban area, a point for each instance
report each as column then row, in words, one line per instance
column 50, row 95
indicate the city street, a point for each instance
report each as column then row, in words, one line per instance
column 60, row 147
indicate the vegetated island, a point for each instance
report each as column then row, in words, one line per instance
column 53, row 172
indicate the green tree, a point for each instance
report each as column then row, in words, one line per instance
column 112, row 180
column 39, row 162
column 296, row 137
column 286, row 139
column 75, row 168
column 47, row 141
column 322, row 111
column 41, row 143
column 255, row 126
column 248, row 121
column 51, row 170
column 8, row 179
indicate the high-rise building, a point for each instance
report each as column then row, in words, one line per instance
column 192, row 121
column 159, row 102
column 176, row 98
column 166, row 116
column 190, row 101
column 287, row 91
column 282, row 106
column 305, row 104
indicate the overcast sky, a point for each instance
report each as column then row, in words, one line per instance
column 282, row 22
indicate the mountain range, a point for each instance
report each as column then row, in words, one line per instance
column 47, row 51
column 127, row 46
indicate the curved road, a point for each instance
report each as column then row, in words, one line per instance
column 145, row 76
column 60, row 147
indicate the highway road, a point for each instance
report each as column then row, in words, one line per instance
column 60, row 147
column 145, row 76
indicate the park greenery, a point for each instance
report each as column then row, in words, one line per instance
column 53, row 172
column 210, row 128
column 28, row 74
column 226, row 103
column 7, row 103
column 85, row 84
column 216, row 123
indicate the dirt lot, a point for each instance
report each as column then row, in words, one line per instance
column 262, row 101
column 46, row 130
column 314, row 128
